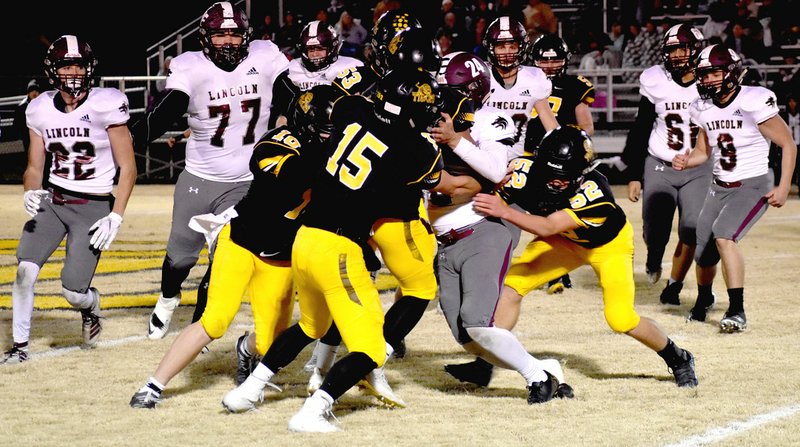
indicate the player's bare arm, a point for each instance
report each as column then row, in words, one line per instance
column 583, row 115
column 122, row 148
column 549, row 121
column 776, row 130
column 460, row 188
column 32, row 179
column 555, row 223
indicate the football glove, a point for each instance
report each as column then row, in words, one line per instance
column 33, row 197
column 104, row 231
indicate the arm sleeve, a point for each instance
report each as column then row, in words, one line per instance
column 635, row 150
column 488, row 160
column 284, row 92
column 169, row 110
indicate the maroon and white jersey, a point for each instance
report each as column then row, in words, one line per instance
column 517, row 101
column 82, row 157
column 305, row 79
column 228, row 111
column 738, row 148
column 673, row 131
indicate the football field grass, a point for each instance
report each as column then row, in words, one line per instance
column 749, row 392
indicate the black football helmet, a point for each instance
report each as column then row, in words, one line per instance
column 685, row 36
column 713, row 58
column 220, row 18
column 550, row 47
column 468, row 73
column 505, row 29
column 319, row 35
column 409, row 97
column 70, row 50
column 562, row 159
column 311, row 116
column 413, row 48
column 388, row 25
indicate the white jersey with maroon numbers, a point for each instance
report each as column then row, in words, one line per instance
column 305, row 79
column 739, row 150
column 673, row 131
column 228, row 111
column 82, row 157
column 517, row 101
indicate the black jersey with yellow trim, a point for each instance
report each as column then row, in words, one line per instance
column 361, row 80
column 593, row 208
column 270, row 213
column 366, row 161
column 569, row 91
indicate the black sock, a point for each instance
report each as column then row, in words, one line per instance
column 704, row 291
column 285, row 348
column 672, row 354
column 202, row 296
column 172, row 277
column 401, row 319
column 736, row 298
column 22, row 345
column 332, row 337
column 347, row 372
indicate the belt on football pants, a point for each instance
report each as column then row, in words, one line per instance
column 719, row 182
column 454, row 235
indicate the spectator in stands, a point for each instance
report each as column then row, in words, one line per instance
column 509, row 8
column 458, row 33
column 618, row 40
column 286, row 38
column 792, row 117
column 20, row 124
column 335, row 10
column 717, row 22
column 383, row 6
column 445, row 41
column 741, row 43
column 322, row 16
column 479, row 29
column 351, row 34
column 595, row 57
column 539, row 19
column 268, row 28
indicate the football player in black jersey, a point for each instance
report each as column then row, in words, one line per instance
column 250, row 258
column 570, row 101
column 375, row 148
column 576, row 222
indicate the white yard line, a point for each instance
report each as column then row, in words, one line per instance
column 736, row 428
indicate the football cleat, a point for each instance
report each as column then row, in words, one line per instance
column 684, row 372
column 245, row 364
column 161, row 316
column 478, row 372
column 733, row 322
column 17, row 354
column 91, row 326
column 671, row 294
column 653, row 276
column 558, row 285
column 245, row 396
column 146, row 397
column 701, row 308
column 315, row 416
column 375, row 383
column 315, row 381
column 541, row 392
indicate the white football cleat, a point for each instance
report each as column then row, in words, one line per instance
column 315, row 381
column 314, row 417
column 375, row 383
column 161, row 316
column 245, row 396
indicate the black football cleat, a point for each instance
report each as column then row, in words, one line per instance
column 478, row 372
column 541, row 392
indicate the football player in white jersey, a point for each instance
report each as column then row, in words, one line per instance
column 85, row 131
column 737, row 122
column 226, row 90
column 516, row 89
column 664, row 128
column 319, row 63
column 474, row 252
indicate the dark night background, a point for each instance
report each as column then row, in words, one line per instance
column 119, row 31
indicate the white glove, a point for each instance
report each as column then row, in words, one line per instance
column 105, row 230
column 210, row 225
column 33, row 197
